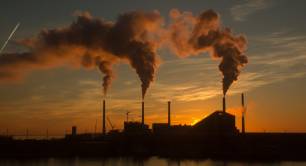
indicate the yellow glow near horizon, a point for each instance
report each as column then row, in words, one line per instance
column 195, row 121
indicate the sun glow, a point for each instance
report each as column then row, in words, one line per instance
column 194, row 121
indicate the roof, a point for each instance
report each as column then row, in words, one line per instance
column 218, row 121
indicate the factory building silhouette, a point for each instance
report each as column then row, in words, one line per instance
column 215, row 136
column 219, row 122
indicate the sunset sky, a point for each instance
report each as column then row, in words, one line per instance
column 55, row 99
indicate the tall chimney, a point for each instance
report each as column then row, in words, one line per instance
column 243, row 114
column 224, row 104
column 103, row 119
column 142, row 113
column 73, row 131
column 169, row 114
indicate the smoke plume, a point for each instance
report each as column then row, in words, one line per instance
column 91, row 42
column 134, row 37
column 106, row 68
column 190, row 35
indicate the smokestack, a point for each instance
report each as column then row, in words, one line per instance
column 224, row 104
column 242, row 100
column 103, row 119
column 142, row 113
column 169, row 114
column 243, row 114
column 73, row 131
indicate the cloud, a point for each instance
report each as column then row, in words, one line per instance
column 241, row 11
column 278, row 57
column 280, row 49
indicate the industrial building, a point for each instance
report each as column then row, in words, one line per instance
column 219, row 122
column 215, row 136
column 135, row 127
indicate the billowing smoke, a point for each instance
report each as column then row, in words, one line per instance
column 190, row 35
column 134, row 37
column 106, row 68
column 91, row 42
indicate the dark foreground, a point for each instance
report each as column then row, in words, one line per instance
column 250, row 146
column 128, row 161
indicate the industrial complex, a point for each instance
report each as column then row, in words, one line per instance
column 219, row 122
column 215, row 136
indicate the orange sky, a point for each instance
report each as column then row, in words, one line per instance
column 56, row 99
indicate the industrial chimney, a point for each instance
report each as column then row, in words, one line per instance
column 243, row 114
column 74, row 131
column 142, row 113
column 224, row 104
column 169, row 114
column 103, row 119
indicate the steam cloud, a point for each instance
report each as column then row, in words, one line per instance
column 135, row 37
column 190, row 35
column 91, row 42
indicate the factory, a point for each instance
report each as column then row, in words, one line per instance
column 215, row 136
column 219, row 122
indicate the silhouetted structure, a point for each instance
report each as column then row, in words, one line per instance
column 180, row 130
column 160, row 128
column 6, row 138
column 103, row 119
column 215, row 136
column 135, row 127
column 243, row 114
column 74, row 131
column 142, row 113
column 224, row 104
column 169, row 114
column 219, row 122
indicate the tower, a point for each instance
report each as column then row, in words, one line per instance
column 169, row 114
column 243, row 114
column 142, row 113
column 103, row 119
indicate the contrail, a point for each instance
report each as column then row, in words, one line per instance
column 12, row 33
